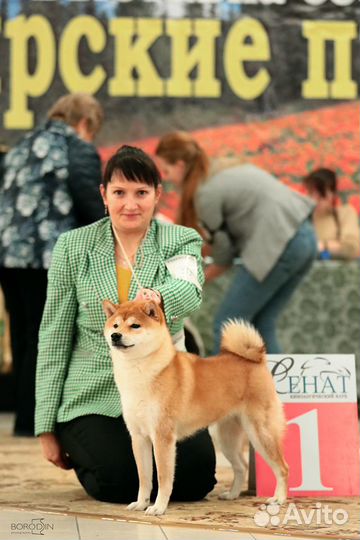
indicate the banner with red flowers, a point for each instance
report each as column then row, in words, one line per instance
column 273, row 81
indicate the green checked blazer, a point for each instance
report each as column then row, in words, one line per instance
column 74, row 371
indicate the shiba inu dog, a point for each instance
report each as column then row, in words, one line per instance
column 168, row 395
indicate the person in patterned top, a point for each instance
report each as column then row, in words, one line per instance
column 49, row 185
column 125, row 256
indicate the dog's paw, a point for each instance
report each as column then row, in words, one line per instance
column 138, row 505
column 227, row 496
column 156, row 510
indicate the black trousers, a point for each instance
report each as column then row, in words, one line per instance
column 25, row 294
column 100, row 451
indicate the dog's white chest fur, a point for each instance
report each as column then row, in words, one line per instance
column 140, row 410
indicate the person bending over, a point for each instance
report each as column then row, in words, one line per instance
column 243, row 211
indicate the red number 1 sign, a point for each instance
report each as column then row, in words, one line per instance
column 322, row 439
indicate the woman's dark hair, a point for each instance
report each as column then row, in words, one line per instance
column 322, row 181
column 134, row 164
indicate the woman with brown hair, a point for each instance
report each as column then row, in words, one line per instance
column 243, row 211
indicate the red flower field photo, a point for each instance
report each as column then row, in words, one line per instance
column 288, row 147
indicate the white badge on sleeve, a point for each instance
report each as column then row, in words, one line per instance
column 184, row 267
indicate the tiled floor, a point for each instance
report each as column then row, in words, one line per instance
column 18, row 524
column 23, row 525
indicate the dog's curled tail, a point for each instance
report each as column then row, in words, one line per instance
column 240, row 338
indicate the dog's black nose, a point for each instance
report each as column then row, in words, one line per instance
column 116, row 338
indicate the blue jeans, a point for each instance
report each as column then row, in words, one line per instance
column 261, row 302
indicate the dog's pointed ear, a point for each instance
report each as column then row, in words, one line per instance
column 109, row 308
column 152, row 310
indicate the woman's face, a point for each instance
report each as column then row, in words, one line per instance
column 131, row 205
column 171, row 172
column 323, row 204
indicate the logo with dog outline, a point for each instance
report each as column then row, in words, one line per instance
column 36, row 526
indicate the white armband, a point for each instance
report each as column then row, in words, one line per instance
column 184, row 267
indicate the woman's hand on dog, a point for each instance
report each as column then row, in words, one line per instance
column 53, row 452
column 149, row 294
